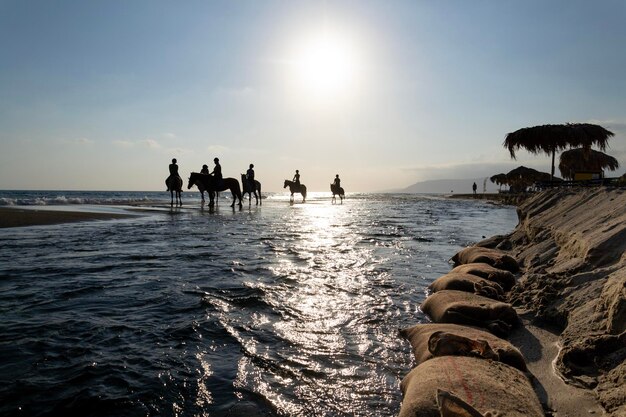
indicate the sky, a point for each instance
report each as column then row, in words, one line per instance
column 101, row 95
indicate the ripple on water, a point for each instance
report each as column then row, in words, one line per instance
column 274, row 310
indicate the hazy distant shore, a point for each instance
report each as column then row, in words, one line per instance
column 18, row 217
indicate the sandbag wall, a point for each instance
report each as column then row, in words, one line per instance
column 464, row 365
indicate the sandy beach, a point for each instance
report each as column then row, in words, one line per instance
column 18, row 217
column 571, row 296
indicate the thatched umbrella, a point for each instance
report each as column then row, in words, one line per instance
column 551, row 138
column 522, row 177
column 585, row 159
column 499, row 179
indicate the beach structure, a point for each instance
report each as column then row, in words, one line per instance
column 585, row 164
column 552, row 138
column 499, row 179
column 521, row 178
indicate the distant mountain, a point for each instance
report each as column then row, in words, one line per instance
column 459, row 186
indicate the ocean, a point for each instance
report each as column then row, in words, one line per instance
column 275, row 310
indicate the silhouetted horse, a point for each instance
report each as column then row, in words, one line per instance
column 202, row 189
column 211, row 185
column 295, row 188
column 248, row 189
column 337, row 191
column 174, row 183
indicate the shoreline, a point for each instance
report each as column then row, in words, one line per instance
column 22, row 217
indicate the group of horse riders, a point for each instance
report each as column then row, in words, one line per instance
column 336, row 181
column 217, row 171
column 217, row 174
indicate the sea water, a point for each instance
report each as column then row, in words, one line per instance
column 283, row 309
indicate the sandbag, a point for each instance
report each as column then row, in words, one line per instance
column 421, row 336
column 449, row 306
column 506, row 279
column 468, row 283
column 493, row 257
column 487, row 386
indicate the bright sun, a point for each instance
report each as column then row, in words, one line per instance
column 324, row 65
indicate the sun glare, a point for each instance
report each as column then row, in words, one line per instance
column 324, row 66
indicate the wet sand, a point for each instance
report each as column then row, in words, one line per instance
column 19, row 217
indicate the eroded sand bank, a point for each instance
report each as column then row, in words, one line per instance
column 571, row 296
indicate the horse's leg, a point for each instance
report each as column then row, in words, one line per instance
column 171, row 197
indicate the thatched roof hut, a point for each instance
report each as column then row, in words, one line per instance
column 522, row 177
column 585, row 159
column 551, row 138
column 499, row 179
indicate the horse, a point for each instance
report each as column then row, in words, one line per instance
column 247, row 189
column 211, row 185
column 337, row 191
column 295, row 188
column 174, row 183
column 202, row 189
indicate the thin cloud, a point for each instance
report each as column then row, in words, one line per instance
column 151, row 143
column 123, row 143
column 79, row 141
column 218, row 149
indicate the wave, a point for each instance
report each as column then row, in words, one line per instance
column 52, row 198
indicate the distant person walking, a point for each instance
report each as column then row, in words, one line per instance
column 217, row 171
column 173, row 173
column 296, row 178
column 474, row 187
column 205, row 169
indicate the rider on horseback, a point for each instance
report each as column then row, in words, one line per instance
column 337, row 182
column 250, row 176
column 173, row 173
column 296, row 178
column 205, row 169
column 217, row 171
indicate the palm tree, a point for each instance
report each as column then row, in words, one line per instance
column 551, row 138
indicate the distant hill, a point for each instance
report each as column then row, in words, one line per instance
column 459, row 186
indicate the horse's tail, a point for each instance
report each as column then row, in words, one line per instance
column 258, row 186
column 303, row 189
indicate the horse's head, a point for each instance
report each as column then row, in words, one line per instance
column 286, row 184
column 191, row 181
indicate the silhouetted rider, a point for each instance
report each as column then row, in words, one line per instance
column 250, row 176
column 337, row 182
column 205, row 169
column 173, row 172
column 217, row 171
column 296, row 178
